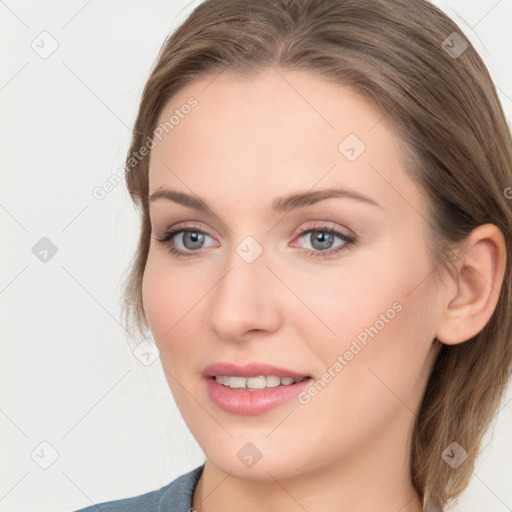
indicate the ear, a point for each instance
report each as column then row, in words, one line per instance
column 479, row 278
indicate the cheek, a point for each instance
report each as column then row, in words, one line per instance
column 164, row 298
column 381, row 311
column 155, row 300
column 342, row 304
column 173, row 308
column 383, row 368
column 385, row 331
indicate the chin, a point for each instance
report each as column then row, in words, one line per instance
column 263, row 461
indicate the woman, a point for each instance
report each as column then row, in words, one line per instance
column 325, row 254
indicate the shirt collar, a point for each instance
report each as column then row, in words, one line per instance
column 178, row 495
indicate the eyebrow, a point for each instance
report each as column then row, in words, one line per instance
column 280, row 204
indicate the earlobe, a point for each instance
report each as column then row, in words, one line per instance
column 481, row 270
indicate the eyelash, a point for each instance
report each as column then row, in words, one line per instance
column 349, row 241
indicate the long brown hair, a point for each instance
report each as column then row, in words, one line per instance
column 413, row 61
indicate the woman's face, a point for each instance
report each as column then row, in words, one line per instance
column 354, row 311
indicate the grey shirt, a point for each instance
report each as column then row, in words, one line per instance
column 174, row 497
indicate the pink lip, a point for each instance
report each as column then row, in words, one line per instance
column 250, row 403
column 249, row 370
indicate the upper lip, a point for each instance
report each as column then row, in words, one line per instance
column 249, row 370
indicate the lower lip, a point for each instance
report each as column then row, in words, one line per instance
column 250, row 403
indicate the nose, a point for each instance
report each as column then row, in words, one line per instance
column 245, row 300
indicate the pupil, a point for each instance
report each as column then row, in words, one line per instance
column 324, row 239
column 195, row 238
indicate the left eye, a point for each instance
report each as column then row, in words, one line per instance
column 322, row 238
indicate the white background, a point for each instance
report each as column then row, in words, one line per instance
column 68, row 376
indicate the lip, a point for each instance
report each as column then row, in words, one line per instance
column 250, row 403
column 249, row 370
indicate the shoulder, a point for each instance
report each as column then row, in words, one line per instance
column 175, row 496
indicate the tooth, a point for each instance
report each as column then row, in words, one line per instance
column 273, row 381
column 257, row 382
column 237, row 382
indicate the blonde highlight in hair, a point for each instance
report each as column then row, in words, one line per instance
column 448, row 114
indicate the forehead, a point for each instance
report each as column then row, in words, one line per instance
column 278, row 131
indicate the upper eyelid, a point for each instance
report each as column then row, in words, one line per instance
column 318, row 225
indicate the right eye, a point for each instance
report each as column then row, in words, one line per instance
column 191, row 241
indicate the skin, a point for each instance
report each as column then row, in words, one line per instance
column 248, row 141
